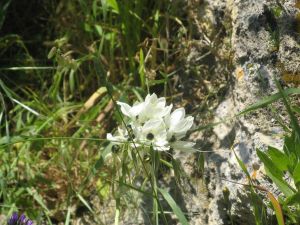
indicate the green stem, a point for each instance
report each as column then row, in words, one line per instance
column 109, row 90
column 117, row 213
column 155, row 167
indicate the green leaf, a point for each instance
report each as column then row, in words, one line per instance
column 52, row 53
column 288, row 145
column 142, row 69
column 201, row 162
column 114, row 5
column 242, row 165
column 292, row 146
column 296, row 174
column 177, row 170
column 296, row 109
column 293, row 200
column 67, row 222
column 277, row 208
column 279, row 158
column 38, row 198
column 174, row 206
column 287, row 105
column 259, row 210
column 6, row 140
column 268, row 163
column 10, row 94
column 25, row 107
column 275, row 174
column 103, row 189
column 270, row 99
column 99, row 30
column 84, row 202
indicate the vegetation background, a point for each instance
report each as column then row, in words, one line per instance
column 61, row 64
column 57, row 60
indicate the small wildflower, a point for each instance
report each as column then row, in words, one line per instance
column 151, row 123
column 16, row 220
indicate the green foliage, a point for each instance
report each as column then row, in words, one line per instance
column 282, row 166
column 174, row 206
column 283, row 169
column 55, row 106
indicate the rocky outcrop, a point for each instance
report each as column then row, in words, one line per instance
column 265, row 45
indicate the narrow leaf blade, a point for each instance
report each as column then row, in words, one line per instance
column 277, row 208
column 174, row 206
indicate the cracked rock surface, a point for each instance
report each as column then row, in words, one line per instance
column 265, row 42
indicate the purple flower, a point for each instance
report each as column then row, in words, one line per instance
column 16, row 220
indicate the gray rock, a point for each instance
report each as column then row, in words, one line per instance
column 261, row 39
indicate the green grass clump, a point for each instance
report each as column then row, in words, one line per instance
column 55, row 108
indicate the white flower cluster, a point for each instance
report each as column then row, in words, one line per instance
column 152, row 123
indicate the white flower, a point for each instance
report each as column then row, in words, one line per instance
column 154, row 108
column 131, row 112
column 121, row 136
column 177, row 124
column 151, row 123
column 184, row 146
column 154, row 133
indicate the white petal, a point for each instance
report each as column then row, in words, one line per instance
column 167, row 120
column 161, row 146
column 161, row 135
column 177, row 116
column 161, row 102
column 184, row 125
column 122, row 132
column 137, row 109
column 151, row 98
column 125, row 108
column 153, row 125
column 109, row 137
column 166, row 110
column 117, row 139
column 183, row 146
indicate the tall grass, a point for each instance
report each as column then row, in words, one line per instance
column 56, row 109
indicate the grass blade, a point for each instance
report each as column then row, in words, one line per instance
column 85, row 203
column 277, row 208
column 38, row 198
column 275, row 174
column 142, row 69
column 174, row 206
column 26, row 107
column 268, row 100
column 242, row 165
column 67, row 222
column 287, row 104
column 296, row 175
